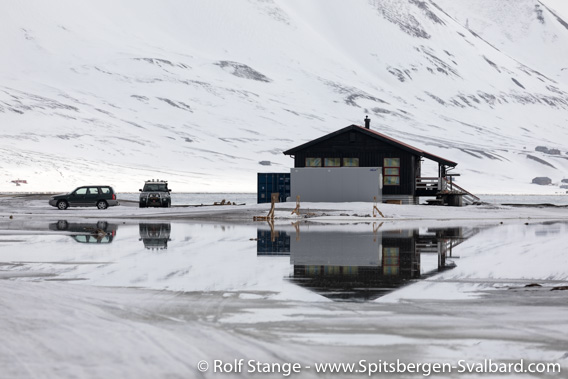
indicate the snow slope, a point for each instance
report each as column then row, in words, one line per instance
column 527, row 31
column 558, row 6
column 199, row 92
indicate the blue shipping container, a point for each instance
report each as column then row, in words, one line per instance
column 269, row 183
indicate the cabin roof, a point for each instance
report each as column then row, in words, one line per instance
column 377, row 135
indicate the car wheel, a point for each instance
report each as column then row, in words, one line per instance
column 101, row 204
column 62, row 204
column 141, row 205
column 62, row 225
column 102, row 225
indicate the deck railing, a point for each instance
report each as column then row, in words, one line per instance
column 430, row 183
column 437, row 184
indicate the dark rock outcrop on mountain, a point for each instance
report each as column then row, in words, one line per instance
column 546, row 150
column 542, row 180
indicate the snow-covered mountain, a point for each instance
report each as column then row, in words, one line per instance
column 199, row 92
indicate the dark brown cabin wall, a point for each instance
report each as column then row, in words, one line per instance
column 371, row 153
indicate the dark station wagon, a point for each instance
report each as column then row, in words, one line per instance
column 101, row 197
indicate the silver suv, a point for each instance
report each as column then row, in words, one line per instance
column 155, row 194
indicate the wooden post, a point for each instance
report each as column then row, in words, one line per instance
column 440, row 177
column 297, row 209
column 376, row 209
column 270, row 215
column 273, row 201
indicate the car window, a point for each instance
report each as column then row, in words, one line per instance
column 105, row 190
column 81, row 191
column 93, row 191
column 155, row 187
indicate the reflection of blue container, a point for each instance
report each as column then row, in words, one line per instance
column 272, row 243
column 269, row 183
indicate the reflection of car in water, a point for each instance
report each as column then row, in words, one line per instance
column 93, row 232
column 155, row 236
column 93, row 238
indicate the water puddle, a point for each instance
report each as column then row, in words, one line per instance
column 301, row 292
column 299, row 261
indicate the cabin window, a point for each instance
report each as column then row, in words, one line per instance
column 350, row 270
column 313, row 270
column 391, row 260
column 351, row 162
column 332, row 162
column 332, row 270
column 391, row 172
column 313, row 162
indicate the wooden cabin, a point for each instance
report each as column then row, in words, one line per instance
column 357, row 146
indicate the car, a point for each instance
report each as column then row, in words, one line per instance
column 155, row 194
column 98, row 196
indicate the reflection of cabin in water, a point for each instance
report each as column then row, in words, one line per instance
column 359, row 263
column 400, row 165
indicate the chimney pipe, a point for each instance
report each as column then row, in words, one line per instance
column 367, row 122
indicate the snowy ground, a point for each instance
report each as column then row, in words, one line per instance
column 36, row 207
column 72, row 310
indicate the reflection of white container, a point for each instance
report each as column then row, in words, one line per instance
column 336, row 184
column 319, row 248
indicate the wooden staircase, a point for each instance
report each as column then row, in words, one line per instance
column 468, row 197
column 442, row 187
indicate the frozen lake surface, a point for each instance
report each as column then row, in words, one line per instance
column 142, row 298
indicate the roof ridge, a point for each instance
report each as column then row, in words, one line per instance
column 382, row 136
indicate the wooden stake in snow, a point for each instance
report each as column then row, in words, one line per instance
column 270, row 215
column 297, row 209
column 375, row 209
